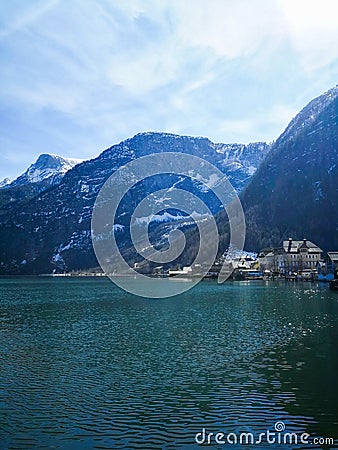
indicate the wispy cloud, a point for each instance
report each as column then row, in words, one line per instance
column 312, row 28
column 20, row 19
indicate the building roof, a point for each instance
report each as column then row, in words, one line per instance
column 267, row 250
column 241, row 264
column 292, row 246
column 266, row 254
column 333, row 256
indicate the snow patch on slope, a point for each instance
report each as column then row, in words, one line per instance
column 167, row 217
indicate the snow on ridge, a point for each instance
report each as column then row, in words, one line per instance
column 167, row 217
column 5, row 182
column 47, row 167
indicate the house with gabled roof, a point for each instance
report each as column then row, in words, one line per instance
column 292, row 256
column 298, row 256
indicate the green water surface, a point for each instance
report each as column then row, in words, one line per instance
column 85, row 365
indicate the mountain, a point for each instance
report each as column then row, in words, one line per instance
column 294, row 193
column 47, row 171
column 5, row 182
column 47, row 168
column 52, row 229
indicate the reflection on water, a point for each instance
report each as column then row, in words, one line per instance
column 86, row 365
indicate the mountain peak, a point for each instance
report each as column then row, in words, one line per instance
column 48, row 167
column 5, row 182
column 165, row 134
column 294, row 192
column 309, row 114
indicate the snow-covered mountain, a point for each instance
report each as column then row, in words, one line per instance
column 294, row 193
column 51, row 230
column 5, row 182
column 47, row 168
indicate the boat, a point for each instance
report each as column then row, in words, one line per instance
column 334, row 285
column 251, row 274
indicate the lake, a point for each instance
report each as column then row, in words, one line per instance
column 86, row 365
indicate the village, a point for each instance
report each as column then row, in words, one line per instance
column 295, row 260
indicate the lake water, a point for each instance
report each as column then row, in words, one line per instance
column 85, row 365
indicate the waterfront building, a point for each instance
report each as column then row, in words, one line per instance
column 293, row 257
column 299, row 256
column 267, row 259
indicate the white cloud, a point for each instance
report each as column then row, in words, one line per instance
column 227, row 28
column 145, row 72
column 312, row 30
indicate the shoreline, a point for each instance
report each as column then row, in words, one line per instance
column 177, row 278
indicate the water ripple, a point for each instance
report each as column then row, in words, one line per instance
column 85, row 365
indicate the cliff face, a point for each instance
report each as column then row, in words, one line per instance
column 295, row 190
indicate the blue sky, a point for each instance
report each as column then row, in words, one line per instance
column 78, row 76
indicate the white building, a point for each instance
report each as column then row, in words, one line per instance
column 299, row 255
column 293, row 256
